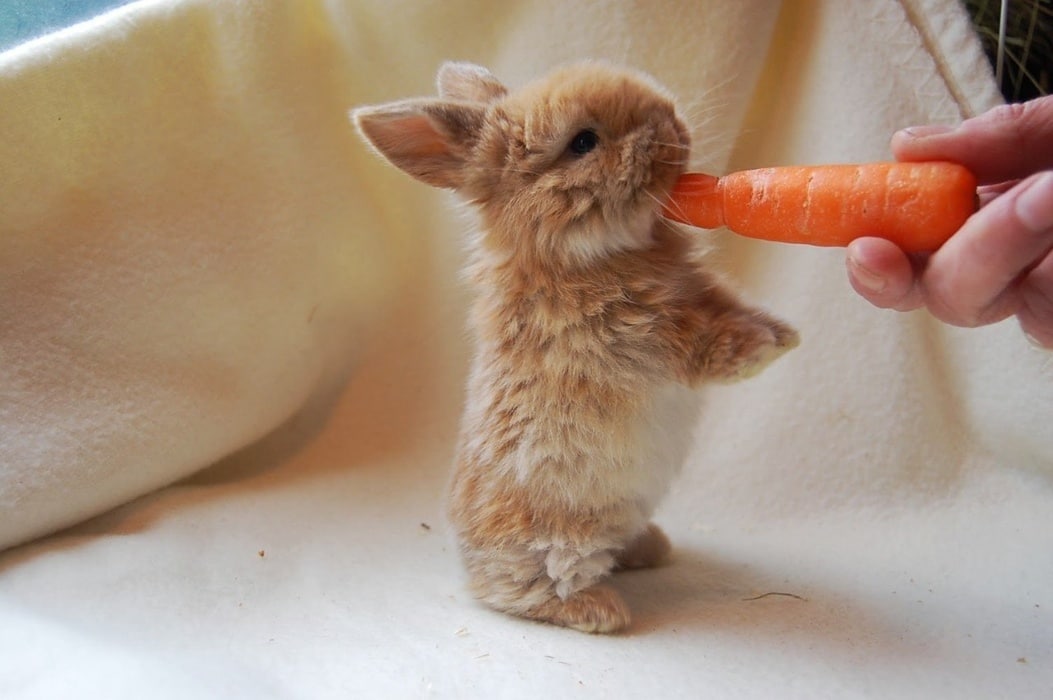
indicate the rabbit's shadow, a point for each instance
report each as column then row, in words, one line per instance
column 705, row 596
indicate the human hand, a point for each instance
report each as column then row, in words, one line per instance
column 1000, row 263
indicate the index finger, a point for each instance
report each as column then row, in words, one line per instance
column 1008, row 142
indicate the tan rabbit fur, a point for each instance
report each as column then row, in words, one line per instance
column 593, row 318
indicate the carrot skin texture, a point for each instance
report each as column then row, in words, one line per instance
column 917, row 206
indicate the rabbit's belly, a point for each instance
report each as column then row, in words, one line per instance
column 582, row 450
column 663, row 435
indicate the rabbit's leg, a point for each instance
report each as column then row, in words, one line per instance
column 650, row 548
column 555, row 584
column 596, row 609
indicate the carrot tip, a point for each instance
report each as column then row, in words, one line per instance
column 696, row 200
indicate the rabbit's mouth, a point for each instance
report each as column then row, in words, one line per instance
column 651, row 161
column 623, row 217
column 672, row 151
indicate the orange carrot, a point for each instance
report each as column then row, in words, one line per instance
column 917, row 206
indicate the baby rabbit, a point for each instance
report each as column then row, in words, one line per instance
column 593, row 318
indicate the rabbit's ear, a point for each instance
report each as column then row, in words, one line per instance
column 469, row 82
column 429, row 139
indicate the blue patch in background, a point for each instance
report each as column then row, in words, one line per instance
column 22, row 20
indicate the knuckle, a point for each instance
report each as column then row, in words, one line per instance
column 1012, row 112
column 1015, row 120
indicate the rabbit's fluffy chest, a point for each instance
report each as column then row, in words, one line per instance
column 569, row 398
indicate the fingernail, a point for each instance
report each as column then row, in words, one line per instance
column 926, row 130
column 866, row 278
column 1034, row 206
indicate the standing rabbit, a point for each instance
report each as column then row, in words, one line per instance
column 593, row 319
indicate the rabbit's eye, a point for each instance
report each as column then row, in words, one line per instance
column 583, row 142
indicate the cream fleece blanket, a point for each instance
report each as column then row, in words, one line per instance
column 199, row 263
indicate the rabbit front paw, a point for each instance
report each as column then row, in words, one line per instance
column 747, row 346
